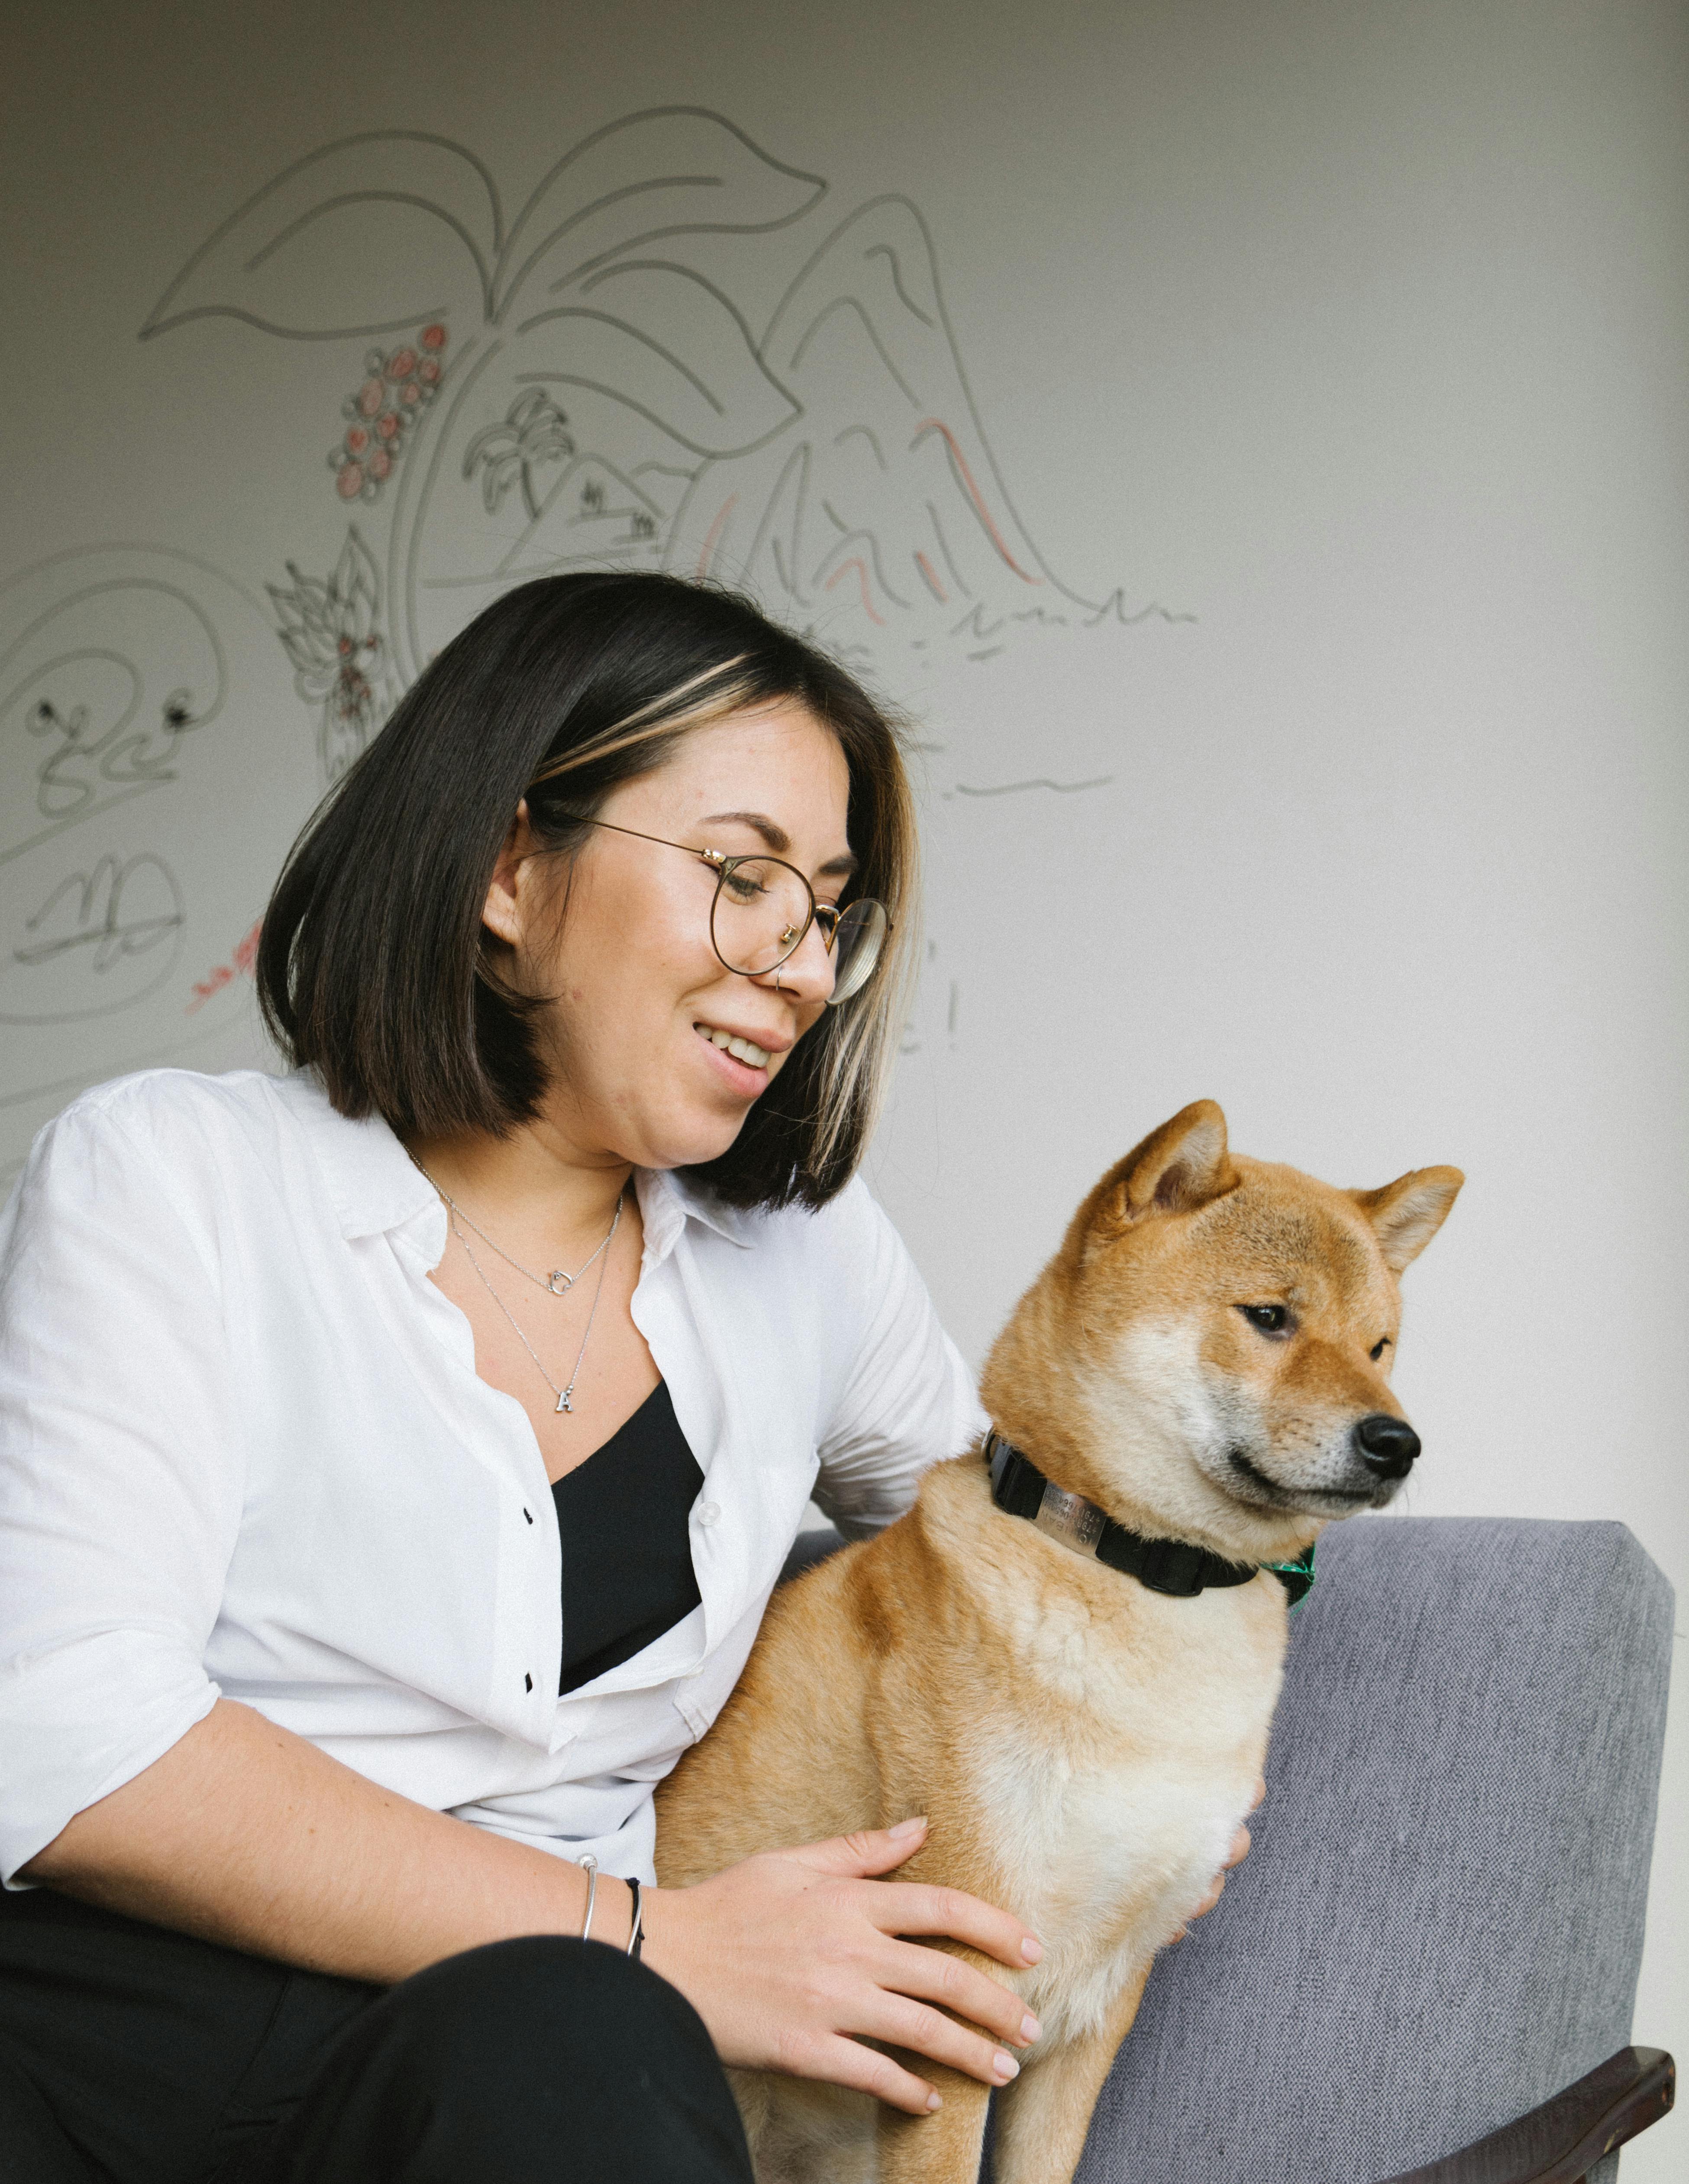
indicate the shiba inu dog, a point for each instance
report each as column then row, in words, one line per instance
column 1067, row 1653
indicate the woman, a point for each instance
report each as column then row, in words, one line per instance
column 399, row 1455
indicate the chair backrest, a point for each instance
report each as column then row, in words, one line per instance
column 1442, row 1921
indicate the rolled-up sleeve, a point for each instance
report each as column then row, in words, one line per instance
column 120, row 1487
column 904, row 1398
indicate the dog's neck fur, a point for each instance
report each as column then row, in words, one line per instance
column 1034, row 1388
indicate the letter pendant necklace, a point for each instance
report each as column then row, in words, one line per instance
column 563, row 1394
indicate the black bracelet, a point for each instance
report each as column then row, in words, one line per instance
column 636, row 1940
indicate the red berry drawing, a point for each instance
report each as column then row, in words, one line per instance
column 392, row 395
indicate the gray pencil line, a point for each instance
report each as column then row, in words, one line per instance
column 1042, row 781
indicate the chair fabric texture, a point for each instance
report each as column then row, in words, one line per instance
column 1441, row 1923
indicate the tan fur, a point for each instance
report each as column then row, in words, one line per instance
column 1084, row 1748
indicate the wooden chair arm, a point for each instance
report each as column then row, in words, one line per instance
column 1562, row 2140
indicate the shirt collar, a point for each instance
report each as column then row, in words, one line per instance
column 667, row 1201
column 376, row 1185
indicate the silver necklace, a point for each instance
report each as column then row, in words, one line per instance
column 563, row 1395
column 557, row 1282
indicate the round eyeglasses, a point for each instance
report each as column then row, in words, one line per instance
column 762, row 909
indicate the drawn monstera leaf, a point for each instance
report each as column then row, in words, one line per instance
column 672, row 170
column 367, row 236
column 664, row 341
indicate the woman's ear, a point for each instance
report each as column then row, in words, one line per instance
column 503, row 911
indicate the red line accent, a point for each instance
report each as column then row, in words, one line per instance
column 223, row 974
column 936, row 589
column 937, row 425
column 722, row 514
column 857, row 563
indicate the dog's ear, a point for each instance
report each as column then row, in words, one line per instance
column 1405, row 1214
column 1177, row 1169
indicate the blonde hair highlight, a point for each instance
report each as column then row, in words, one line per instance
column 661, row 716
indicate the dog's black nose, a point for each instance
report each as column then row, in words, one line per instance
column 1386, row 1445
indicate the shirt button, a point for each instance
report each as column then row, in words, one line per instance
column 709, row 1512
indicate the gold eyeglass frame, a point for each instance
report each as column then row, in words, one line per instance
column 827, row 915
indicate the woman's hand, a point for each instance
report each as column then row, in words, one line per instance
column 792, row 1957
column 1234, row 1856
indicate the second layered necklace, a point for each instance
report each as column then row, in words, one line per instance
column 556, row 1284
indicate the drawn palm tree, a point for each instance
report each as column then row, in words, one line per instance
column 534, row 430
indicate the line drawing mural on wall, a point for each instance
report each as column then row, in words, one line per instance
column 135, row 796
column 341, row 666
column 92, row 684
column 117, row 910
column 114, row 668
column 564, row 390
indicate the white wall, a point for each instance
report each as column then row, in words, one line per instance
column 1352, row 338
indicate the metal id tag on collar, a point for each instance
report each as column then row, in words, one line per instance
column 1076, row 1523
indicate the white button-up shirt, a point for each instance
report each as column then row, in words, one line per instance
column 244, row 1450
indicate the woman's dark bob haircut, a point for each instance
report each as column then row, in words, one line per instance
column 374, row 968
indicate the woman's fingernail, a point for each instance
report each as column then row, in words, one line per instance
column 915, row 1827
column 934, row 2101
column 1031, row 1949
column 1004, row 2066
column 1031, row 2028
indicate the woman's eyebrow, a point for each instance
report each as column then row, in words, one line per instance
column 779, row 841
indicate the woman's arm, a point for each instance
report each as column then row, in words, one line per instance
column 246, row 1835
column 901, row 1397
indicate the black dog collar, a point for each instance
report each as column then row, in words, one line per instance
column 1169, row 1566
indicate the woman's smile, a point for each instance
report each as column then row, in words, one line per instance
column 748, row 1062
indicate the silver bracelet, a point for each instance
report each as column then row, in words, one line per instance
column 636, row 1938
column 589, row 1865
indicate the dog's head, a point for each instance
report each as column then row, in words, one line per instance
column 1209, row 1352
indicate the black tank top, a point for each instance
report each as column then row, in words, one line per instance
column 622, row 1516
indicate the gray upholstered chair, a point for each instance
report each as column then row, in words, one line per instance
column 1439, row 1928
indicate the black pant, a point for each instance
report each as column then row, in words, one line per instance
column 130, row 2055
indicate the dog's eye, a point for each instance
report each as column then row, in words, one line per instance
column 1270, row 1318
column 1379, row 1347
